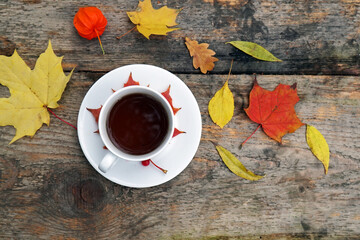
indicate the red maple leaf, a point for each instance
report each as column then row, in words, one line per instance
column 95, row 112
column 274, row 110
column 166, row 94
column 177, row 132
column 130, row 81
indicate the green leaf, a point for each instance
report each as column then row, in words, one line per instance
column 318, row 146
column 255, row 51
column 235, row 165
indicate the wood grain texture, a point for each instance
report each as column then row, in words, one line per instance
column 311, row 37
column 48, row 190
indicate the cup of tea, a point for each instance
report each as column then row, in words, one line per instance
column 136, row 123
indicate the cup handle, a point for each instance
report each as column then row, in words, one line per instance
column 107, row 162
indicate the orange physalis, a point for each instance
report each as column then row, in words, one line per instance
column 90, row 23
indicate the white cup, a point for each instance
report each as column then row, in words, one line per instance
column 115, row 153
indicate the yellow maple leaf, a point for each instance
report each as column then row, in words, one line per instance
column 153, row 21
column 202, row 55
column 32, row 91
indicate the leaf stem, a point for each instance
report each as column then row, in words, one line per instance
column 164, row 171
column 100, row 41
column 126, row 33
column 250, row 135
column 232, row 61
column 61, row 119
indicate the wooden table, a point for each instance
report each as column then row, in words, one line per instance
column 48, row 190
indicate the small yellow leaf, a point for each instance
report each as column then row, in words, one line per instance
column 318, row 146
column 32, row 91
column 153, row 21
column 202, row 56
column 255, row 51
column 235, row 165
column 221, row 106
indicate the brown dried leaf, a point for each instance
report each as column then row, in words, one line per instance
column 202, row 55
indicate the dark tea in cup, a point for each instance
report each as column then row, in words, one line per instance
column 137, row 124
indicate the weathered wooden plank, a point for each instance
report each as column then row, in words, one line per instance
column 48, row 190
column 312, row 37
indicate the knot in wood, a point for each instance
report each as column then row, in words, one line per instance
column 88, row 195
column 91, row 191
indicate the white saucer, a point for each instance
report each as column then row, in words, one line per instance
column 176, row 156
